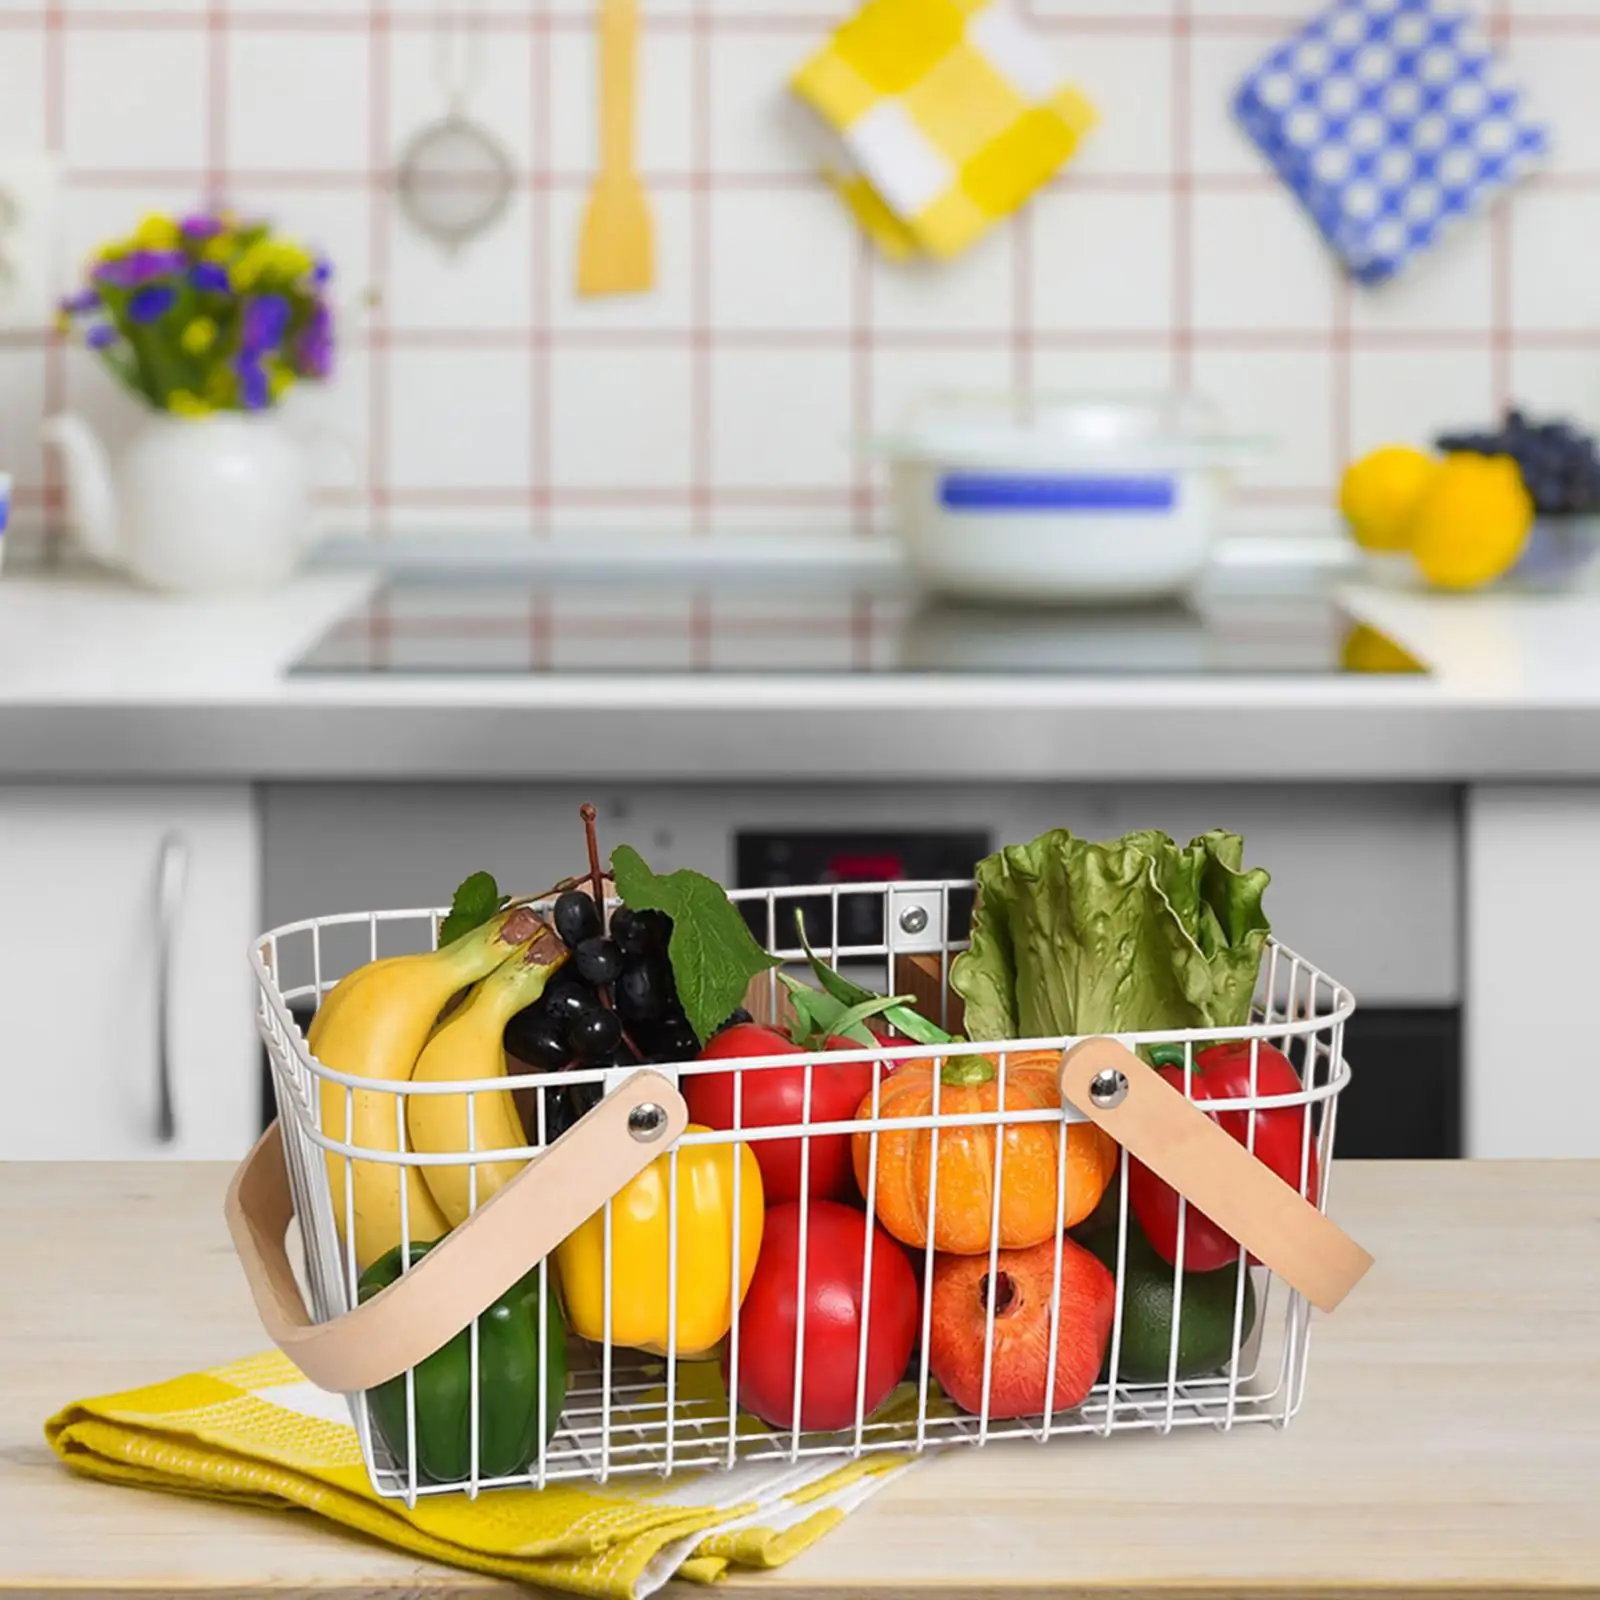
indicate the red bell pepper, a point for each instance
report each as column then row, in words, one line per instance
column 1222, row 1072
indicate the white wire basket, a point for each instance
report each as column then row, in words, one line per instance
column 590, row 1132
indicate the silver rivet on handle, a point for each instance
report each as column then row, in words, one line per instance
column 914, row 919
column 647, row 1122
column 1109, row 1089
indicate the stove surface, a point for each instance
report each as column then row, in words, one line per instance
column 499, row 626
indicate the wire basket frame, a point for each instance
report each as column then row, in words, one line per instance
column 627, row 1412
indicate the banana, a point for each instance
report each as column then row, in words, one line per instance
column 467, row 1048
column 374, row 1024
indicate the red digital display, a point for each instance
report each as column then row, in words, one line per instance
column 865, row 868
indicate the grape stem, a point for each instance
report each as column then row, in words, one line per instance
column 596, row 876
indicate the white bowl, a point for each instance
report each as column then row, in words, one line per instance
column 1056, row 499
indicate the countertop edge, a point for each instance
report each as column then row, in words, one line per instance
column 1427, row 743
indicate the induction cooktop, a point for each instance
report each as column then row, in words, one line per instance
column 780, row 624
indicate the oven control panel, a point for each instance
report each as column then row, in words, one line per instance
column 779, row 858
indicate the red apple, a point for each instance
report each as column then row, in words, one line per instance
column 1023, row 1280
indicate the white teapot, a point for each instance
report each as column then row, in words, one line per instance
column 193, row 504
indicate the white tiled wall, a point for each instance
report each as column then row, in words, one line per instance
column 482, row 394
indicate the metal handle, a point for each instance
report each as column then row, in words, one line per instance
column 172, row 867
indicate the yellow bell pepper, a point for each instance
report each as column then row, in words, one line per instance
column 639, row 1253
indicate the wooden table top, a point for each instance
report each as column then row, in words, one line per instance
column 1450, row 1437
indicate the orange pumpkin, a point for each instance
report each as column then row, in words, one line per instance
column 964, row 1200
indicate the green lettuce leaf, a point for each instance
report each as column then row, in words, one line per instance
column 1071, row 937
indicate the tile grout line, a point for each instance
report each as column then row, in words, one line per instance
column 541, row 617
column 55, row 354
column 379, row 61
column 773, row 182
column 1182, row 341
column 1341, row 364
column 863, row 361
column 1502, row 353
column 702, row 454
column 216, row 125
column 261, row 19
column 543, row 287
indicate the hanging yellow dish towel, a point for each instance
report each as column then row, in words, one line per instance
column 947, row 115
column 257, row 1433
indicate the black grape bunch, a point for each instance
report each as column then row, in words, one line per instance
column 1560, row 464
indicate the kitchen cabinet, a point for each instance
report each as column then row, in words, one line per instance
column 1365, row 877
column 1533, row 1066
column 126, row 999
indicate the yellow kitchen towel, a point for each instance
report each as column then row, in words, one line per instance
column 946, row 116
column 258, row 1434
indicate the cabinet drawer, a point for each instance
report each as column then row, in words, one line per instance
column 124, row 978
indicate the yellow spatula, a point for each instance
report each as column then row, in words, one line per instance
column 616, row 254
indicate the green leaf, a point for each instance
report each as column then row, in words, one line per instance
column 815, row 1012
column 713, row 954
column 476, row 901
column 820, row 1016
column 900, row 1016
column 1072, row 938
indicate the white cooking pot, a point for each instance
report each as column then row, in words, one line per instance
column 1058, row 498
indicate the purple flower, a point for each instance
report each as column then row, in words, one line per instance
column 265, row 319
column 322, row 272
column 316, row 345
column 200, row 227
column 128, row 272
column 101, row 335
column 77, row 305
column 152, row 302
column 253, row 388
column 209, row 277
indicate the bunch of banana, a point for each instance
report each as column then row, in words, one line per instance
column 465, row 1048
column 374, row 1024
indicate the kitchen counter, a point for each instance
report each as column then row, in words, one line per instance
column 99, row 680
column 1450, row 1438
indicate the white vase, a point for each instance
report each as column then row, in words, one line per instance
column 194, row 505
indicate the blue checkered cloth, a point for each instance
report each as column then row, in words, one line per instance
column 1389, row 119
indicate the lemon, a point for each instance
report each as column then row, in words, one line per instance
column 1367, row 650
column 1472, row 521
column 1380, row 491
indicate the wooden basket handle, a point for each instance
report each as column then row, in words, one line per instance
column 465, row 1273
column 1243, row 1196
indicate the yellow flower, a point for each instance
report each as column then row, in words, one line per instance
column 61, row 322
column 245, row 272
column 217, row 248
column 279, row 377
column 199, row 336
column 292, row 260
column 183, row 404
column 157, row 232
column 221, row 386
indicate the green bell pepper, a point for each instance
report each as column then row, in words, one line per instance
column 509, row 1438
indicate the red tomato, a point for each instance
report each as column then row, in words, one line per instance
column 836, row 1241
column 774, row 1097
